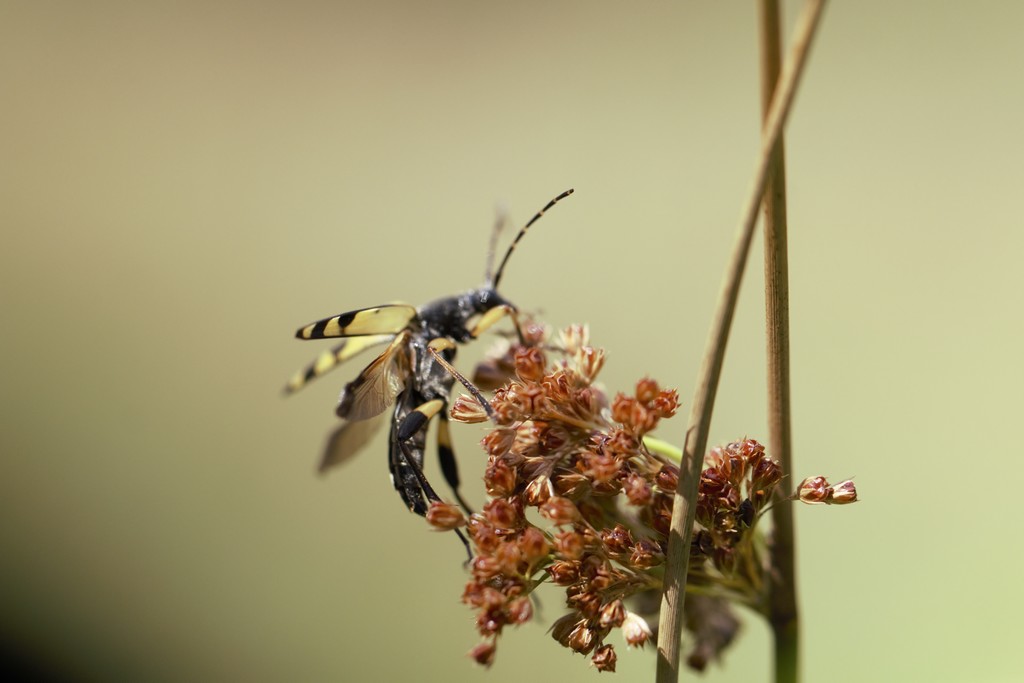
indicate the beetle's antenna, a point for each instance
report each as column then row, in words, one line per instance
column 500, row 218
column 512, row 247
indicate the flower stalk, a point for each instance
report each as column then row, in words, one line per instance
column 783, row 614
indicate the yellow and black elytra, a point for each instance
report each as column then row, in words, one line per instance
column 414, row 373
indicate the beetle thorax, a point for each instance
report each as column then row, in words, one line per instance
column 448, row 317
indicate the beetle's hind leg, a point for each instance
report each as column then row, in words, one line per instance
column 446, row 455
column 405, row 471
column 414, row 491
column 416, row 421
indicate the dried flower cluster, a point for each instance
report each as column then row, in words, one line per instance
column 604, row 502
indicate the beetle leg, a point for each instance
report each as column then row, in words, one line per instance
column 428, row 490
column 435, row 348
column 449, row 466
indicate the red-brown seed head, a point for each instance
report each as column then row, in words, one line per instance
column 604, row 658
column 560, row 511
column 647, row 390
column 530, row 363
column 467, row 409
column 813, row 490
column 483, row 653
column 844, row 492
column 445, row 516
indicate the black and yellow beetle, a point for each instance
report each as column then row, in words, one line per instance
column 414, row 373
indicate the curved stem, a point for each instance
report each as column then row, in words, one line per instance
column 684, row 508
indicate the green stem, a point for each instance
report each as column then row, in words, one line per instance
column 664, row 449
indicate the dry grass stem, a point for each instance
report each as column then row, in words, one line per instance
column 782, row 593
column 684, row 511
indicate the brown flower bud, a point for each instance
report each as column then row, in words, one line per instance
column 603, row 468
column 488, row 597
column 445, row 516
column 483, row 653
column 635, row 630
column 582, row 639
column 712, row 482
column 641, row 419
column 844, row 492
column 646, row 554
column 552, row 437
column 473, row 594
column 622, row 409
column 666, row 404
column 621, row 444
column 506, row 412
column 813, row 490
column 647, row 390
column 530, row 363
column 483, row 535
column 668, row 478
column 467, row 409
column 637, row 489
column 560, row 511
column 508, row 556
column 533, row 332
column 587, row 602
column 733, row 467
column 499, row 478
column 530, row 400
column 484, row 567
column 595, row 571
column 490, row 621
column 520, row 610
column 557, row 387
column 589, row 402
column 765, row 475
column 501, row 513
column 533, row 544
column 617, row 541
column 569, row 545
column 749, row 449
column 604, row 658
column 538, row 491
column 612, row 614
column 499, row 441
column 564, row 572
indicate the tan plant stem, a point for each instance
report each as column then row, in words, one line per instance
column 678, row 555
column 781, row 596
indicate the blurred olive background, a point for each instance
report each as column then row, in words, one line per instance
column 182, row 185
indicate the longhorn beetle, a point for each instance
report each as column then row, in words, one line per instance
column 414, row 372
